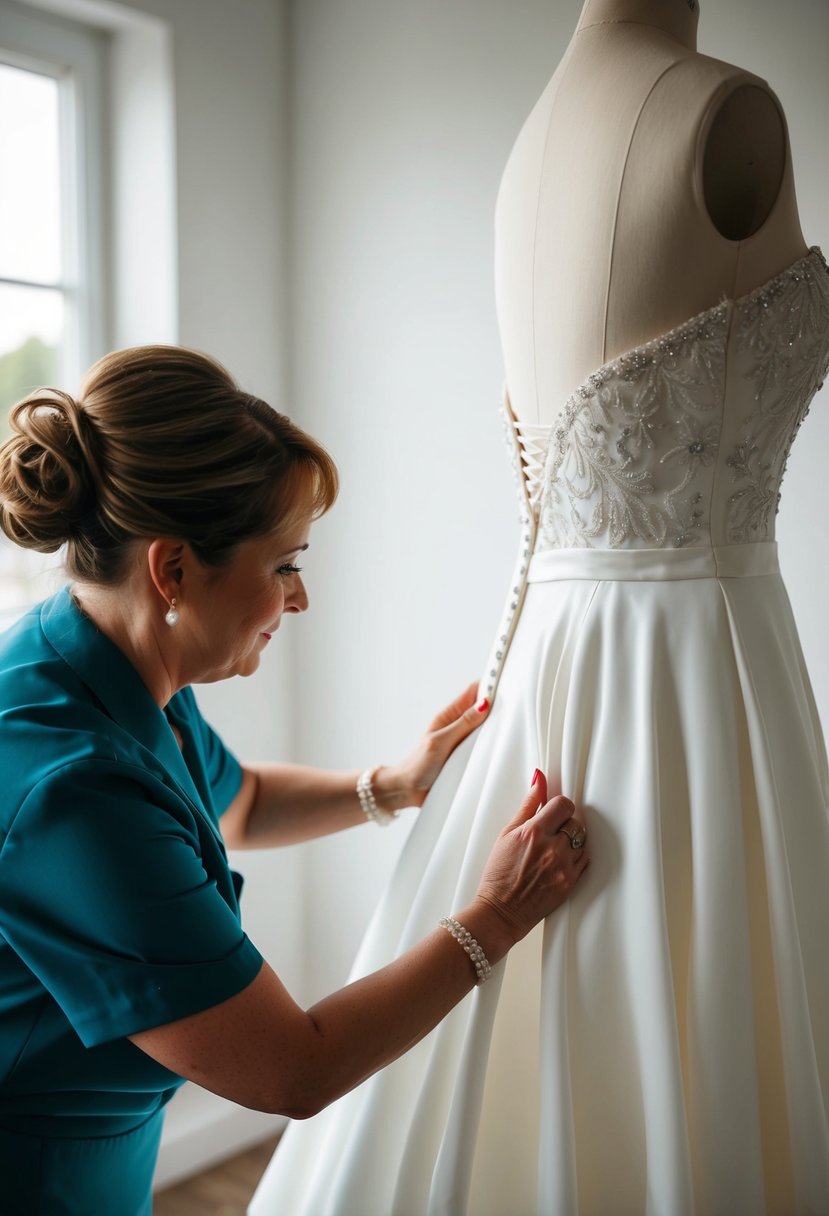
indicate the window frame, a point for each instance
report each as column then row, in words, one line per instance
column 75, row 56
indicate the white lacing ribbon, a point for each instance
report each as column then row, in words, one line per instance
column 534, row 441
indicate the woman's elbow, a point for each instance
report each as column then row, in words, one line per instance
column 299, row 1103
column 305, row 1111
column 309, row 1100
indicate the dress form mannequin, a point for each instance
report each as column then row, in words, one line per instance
column 649, row 183
column 661, row 1047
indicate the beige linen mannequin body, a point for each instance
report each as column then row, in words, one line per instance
column 649, row 183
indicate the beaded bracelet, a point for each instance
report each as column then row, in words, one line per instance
column 476, row 955
column 368, row 802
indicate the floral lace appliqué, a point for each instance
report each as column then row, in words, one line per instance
column 782, row 340
column 635, row 457
column 629, row 451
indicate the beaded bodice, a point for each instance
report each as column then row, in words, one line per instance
column 684, row 440
column 679, row 444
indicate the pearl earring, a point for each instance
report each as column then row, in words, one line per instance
column 172, row 614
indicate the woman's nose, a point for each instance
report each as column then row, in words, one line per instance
column 297, row 599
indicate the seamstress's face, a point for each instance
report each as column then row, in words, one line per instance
column 242, row 607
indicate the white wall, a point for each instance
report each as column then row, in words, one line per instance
column 401, row 124
column 403, row 117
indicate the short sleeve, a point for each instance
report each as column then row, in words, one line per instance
column 117, row 895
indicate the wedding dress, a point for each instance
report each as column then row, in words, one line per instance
column 662, row 1044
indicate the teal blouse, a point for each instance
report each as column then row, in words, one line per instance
column 118, row 910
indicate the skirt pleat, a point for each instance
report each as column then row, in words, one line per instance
column 660, row 1046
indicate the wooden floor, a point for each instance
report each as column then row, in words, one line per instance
column 224, row 1190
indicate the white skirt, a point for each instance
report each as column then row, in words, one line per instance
column 661, row 1045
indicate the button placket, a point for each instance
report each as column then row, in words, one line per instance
column 518, row 583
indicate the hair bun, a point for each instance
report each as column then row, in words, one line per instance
column 46, row 480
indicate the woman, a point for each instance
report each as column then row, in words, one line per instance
column 183, row 504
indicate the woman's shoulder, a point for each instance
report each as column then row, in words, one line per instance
column 50, row 715
column 33, row 674
column 36, row 683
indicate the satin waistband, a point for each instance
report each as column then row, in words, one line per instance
column 641, row 565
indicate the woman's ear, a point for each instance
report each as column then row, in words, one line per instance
column 167, row 560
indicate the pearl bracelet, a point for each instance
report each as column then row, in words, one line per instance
column 476, row 955
column 368, row 802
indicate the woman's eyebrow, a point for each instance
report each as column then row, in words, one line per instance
column 296, row 549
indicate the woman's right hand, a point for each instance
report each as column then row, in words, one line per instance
column 533, row 866
column 260, row 1049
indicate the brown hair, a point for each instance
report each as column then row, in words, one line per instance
column 161, row 442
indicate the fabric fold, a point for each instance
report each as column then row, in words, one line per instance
column 666, row 1064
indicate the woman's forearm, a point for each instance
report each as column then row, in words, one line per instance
column 370, row 1023
column 263, row 1051
column 287, row 803
column 260, row 1048
column 282, row 804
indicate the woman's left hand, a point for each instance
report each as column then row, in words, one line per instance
column 408, row 783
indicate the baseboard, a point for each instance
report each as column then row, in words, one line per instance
column 202, row 1130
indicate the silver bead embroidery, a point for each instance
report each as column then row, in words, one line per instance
column 604, row 488
column 642, row 433
column 782, row 348
column 636, row 452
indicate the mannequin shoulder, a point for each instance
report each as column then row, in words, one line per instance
column 742, row 143
column 743, row 150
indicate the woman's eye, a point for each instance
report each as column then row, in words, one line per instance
column 288, row 569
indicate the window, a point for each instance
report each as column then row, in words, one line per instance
column 51, row 231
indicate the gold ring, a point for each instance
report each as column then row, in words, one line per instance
column 577, row 838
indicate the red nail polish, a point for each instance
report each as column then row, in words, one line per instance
column 482, row 705
column 536, row 775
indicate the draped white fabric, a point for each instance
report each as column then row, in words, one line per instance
column 683, row 995
column 661, row 1046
